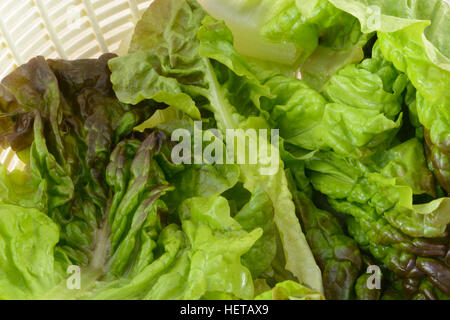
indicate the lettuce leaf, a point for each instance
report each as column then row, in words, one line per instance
column 337, row 254
column 245, row 19
column 412, row 36
column 28, row 266
column 373, row 84
column 258, row 212
column 352, row 181
column 290, row 290
column 208, row 261
column 308, row 120
column 356, row 176
column 383, row 217
column 299, row 259
column 286, row 32
column 208, row 85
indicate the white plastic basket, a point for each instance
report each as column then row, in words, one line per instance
column 68, row 29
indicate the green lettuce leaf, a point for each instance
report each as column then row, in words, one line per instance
column 308, row 120
column 217, row 242
column 412, row 36
column 208, row 76
column 286, row 32
column 246, row 19
column 374, row 84
column 258, row 212
column 206, row 262
column 407, row 161
column 275, row 185
column 325, row 62
column 28, row 267
column 290, row 290
column 356, row 184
